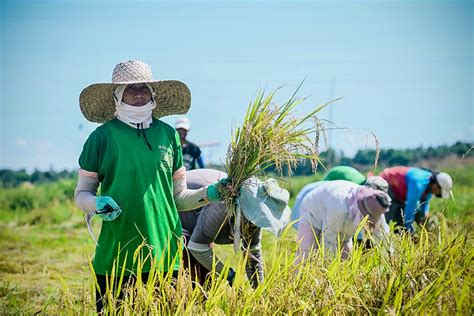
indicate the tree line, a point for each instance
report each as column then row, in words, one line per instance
column 10, row 178
column 363, row 159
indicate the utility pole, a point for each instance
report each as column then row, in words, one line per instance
column 331, row 112
column 209, row 146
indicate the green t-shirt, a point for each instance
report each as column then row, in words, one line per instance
column 345, row 173
column 140, row 180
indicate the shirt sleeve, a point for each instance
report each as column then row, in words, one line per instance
column 200, row 162
column 295, row 212
column 89, row 159
column 210, row 222
column 178, row 153
column 196, row 151
column 415, row 191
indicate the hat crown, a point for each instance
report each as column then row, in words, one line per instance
column 445, row 182
column 98, row 105
column 132, row 71
column 184, row 123
column 374, row 202
column 377, row 183
column 379, row 203
column 265, row 204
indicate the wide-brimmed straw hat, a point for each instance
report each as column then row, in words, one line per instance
column 97, row 101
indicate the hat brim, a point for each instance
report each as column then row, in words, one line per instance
column 98, row 105
column 182, row 126
column 445, row 194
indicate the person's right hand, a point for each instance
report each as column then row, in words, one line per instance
column 107, row 208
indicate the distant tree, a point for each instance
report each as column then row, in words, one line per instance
column 399, row 158
column 330, row 157
column 38, row 176
column 22, row 176
column 364, row 157
column 8, row 178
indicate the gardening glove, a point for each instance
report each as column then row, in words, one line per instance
column 107, row 208
column 213, row 193
column 231, row 276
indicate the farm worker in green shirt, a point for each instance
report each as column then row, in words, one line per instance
column 137, row 161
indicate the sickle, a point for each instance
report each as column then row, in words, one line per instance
column 88, row 217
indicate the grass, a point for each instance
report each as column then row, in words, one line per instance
column 45, row 253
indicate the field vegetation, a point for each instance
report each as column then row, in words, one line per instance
column 45, row 251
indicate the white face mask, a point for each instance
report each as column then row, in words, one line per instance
column 133, row 114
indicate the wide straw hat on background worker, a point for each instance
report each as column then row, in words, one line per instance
column 170, row 96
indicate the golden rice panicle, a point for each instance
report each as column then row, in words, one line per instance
column 271, row 135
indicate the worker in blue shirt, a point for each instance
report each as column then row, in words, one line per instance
column 411, row 190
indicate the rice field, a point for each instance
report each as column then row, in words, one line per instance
column 46, row 250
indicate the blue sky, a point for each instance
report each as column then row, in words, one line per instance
column 404, row 68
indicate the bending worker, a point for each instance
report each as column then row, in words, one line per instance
column 333, row 210
column 345, row 173
column 411, row 190
column 263, row 204
column 339, row 173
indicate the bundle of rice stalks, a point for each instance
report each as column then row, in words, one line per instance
column 271, row 135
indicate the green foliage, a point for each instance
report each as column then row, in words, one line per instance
column 364, row 158
column 11, row 179
column 34, row 197
column 46, row 250
column 393, row 157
